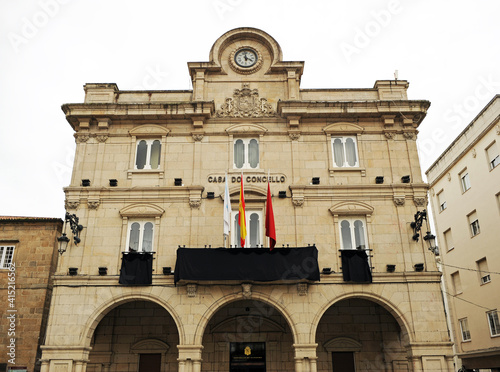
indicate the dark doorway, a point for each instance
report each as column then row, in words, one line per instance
column 248, row 357
column 343, row 361
column 149, row 362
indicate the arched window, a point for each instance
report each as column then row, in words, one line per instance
column 353, row 233
column 246, row 153
column 254, row 229
column 345, row 151
column 140, row 236
column 148, row 154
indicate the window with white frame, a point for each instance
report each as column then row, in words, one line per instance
column 464, row 181
column 464, row 328
column 482, row 268
column 6, row 255
column 140, row 236
column 474, row 224
column 441, row 201
column 493, row 156
column 494, row 322
column 448, row 240
column 457, row 284
column 148, row 154
column 254, row 238
column 345, row 152
column 353, row 233
column 246, row 153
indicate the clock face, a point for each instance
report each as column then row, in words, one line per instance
column 245, row 58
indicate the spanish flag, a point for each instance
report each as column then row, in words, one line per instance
column 242, row 218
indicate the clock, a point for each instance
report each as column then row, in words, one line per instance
column 245, row 60
column 245, row 57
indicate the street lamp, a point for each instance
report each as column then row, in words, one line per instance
column 75, row 227
column 416, row 225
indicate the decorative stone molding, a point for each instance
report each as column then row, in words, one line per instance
column 102, row 137
column 141, row 210
column 389, row 135
column 246, row 290
column 81, row 137
column 343, row 128
column 399, row 201
column 191, row 290
column 449, row 177
column 409, row 135
column 73, row 204
column 149, row 130
column 195, row 203
column 498, row 129
column 149, row 346
column 297, row 201
column 294, row 136
column 474, row 153
column 342, row 344
column 420, row 202
column 197, row 136
column 93, row 204
column 302, row 289
column 351, row 208
column 245, row 104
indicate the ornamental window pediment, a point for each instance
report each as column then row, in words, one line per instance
column 351, row 208
column 142, row 210
column 343, row 128
column 149, row 130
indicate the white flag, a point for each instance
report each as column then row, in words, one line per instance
column 227, row 210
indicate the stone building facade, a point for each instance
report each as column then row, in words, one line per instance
column 148, row 184
column 28, row 258
column 465, row 199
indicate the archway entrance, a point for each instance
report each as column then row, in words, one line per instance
column 248, row 336
column 357, row 335
column 135, row 336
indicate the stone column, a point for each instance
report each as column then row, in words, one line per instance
column 45, row 366
column 189, row 358
column 305, row 357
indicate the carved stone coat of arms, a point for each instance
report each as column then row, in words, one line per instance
column 246, row 103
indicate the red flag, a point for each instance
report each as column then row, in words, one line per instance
column 242, row 217
column 270, row 228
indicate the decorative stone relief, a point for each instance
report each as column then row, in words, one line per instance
column 71, row 204
column 298, row 202
column 246, row 290
column 246, row 104
column 93, row 204
column 389, row 135
column 409, row 135
column 420, row 202
column 498, row 129
column 473, row 152
column 198, row 136
column 195, row 203
column 102, row 137
column 302, row 289
column 294, row 136
column 191, row 290
column 449, row 176
column 399, row 201
column 81, row 138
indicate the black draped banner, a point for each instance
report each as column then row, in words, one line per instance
column 257, row 264
column 355, row 267
column 137, row 269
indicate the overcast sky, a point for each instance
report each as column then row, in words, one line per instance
column 447, row 50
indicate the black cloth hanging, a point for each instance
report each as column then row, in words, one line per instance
column 257, row 264
column 137, row 269
column 355, row 267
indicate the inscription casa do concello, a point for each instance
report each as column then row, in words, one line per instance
column 248, row 179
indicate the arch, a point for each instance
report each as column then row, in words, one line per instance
column 343, row 128
column 351, row 208
column 386, row 304
column 223, row 301
column 250, row 189
column 342, row 344
column 245, row 33
column 246, row 129
column 141, row 210
column 149, row 130
column 149, row 346
column 100, row 312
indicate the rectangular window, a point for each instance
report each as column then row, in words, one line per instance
column 254, row 238
column 148, row 154
column 448, row 240
column 457, row 284
column 353, row 233
column 494, row 323
column 493, row 156
column 464, row 328
column 246, row 153
column 441, row 201
column 474, row 224
column 6, row 255
column 482, row 268
column 345, row 152
column 464, row 180
column 140, row 236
